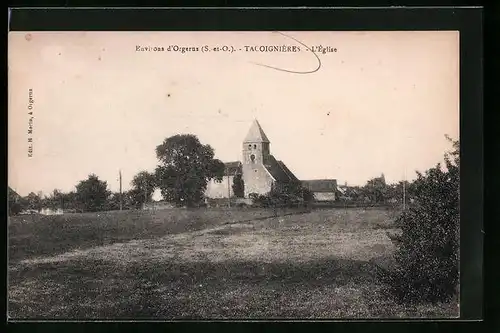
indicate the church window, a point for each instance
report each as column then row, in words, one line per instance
column 249, row 146
column 254, row 146
column 252, row 158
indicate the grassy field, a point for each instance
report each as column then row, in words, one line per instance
column 205, row 263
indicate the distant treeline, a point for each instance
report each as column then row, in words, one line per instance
column 377, row 191
column 90, row 195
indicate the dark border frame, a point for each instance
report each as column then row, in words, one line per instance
column 466, row 20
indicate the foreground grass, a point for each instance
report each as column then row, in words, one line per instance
column 318, row 265
column 39, row 235
column 95, row 289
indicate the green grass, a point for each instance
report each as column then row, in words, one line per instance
column 219, row 263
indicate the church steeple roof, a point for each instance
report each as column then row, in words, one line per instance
column 256, row 134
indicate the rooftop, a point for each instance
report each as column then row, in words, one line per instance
column 232, row 168
column 279, row 170
column 320, row 185
column 256, row 134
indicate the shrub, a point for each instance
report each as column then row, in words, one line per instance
column 259, row 200
column 427, row 254
column 287, row 195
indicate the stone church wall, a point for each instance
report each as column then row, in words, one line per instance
column 256, row 179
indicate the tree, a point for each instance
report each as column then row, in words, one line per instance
column 70, row 201
column 15, row 202
column 57, row 198
column 238, row 186
column 185, row 167
column 54, row 200
column 143, row 187
column 376, row 189
column 395, row 192
column 427, row 254
column 350, row 193
column 113, row 202
column 34, row 201
column 92, row 194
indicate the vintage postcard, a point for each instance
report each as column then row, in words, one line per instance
column 233, row 175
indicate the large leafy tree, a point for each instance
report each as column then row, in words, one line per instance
column 92, row 194
column 143, row 187
column 186, row 165
column 427, row 255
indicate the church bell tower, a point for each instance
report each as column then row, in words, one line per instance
column 256, row 146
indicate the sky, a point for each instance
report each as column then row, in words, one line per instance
column 381, row 103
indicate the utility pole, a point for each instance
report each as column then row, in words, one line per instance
column 145, row 196
column 121, row 202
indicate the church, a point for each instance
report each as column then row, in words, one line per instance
column 261, row 171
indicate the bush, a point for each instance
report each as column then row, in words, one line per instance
column 287, row 195
column 275, row 199
column 427, row 254
column 259, row 200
